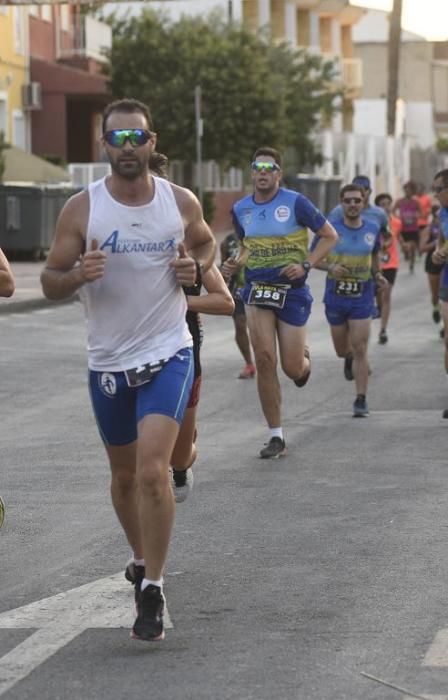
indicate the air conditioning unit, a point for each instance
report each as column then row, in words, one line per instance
column 32, row 96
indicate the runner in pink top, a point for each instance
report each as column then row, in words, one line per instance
column 409, row 211
column 389, row 263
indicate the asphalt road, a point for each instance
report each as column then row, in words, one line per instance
column 287, row 579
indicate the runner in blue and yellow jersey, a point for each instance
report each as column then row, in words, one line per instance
column 272, row 225
column 440, row 255
column 353, row 268
column 370, row 212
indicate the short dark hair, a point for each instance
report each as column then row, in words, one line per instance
column 411, row 186
column 443, row 175
column 362, row 180
column 383, row 195
column 352, row 188
column 268, row 151
column 127, row 106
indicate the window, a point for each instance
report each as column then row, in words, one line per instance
column 64, row 10
column 45, row 13
column 19, row 30
column 4, row 115
column 18, row 129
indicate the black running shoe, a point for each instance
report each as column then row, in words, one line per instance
column 275, row 448
column 436, row 315
column 150, row 608
column 445, row 413
column 135, row 575
column 303, row 380
column 360, row 408
column 348, row 368
column 382, row 338
column 182, row 484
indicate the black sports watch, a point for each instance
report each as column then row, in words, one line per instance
column 306, row 266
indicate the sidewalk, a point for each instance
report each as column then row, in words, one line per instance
column 28, row 293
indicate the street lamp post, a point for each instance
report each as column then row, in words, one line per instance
column 199, row 132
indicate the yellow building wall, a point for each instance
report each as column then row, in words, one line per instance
column 278, row 19
column 14, row 63
column 250, row 14
column 303, row 27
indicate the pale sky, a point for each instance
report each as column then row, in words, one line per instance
column 429, row 18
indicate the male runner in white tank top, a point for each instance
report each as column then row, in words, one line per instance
column 123, row 245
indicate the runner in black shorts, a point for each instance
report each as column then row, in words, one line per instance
column 218, row 300
column 389, row 263
column 229, row 249
column 429, row 237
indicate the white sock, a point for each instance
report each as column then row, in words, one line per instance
column 139, row 562
column 276, row 432
column 148, row 581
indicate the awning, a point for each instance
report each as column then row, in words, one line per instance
column 22, row 166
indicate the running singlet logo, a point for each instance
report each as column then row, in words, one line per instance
column 108, row 384
column 282, row 213
column 135, row 245
column 370, row 238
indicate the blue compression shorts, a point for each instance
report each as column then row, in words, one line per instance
column 339, row 309
column 118, row 408
column 297, row 308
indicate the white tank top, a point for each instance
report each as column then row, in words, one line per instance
column 136, row 312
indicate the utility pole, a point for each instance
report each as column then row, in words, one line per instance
column 393, row 65
column 199, row 132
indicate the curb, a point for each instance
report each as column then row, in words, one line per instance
column 8, row 307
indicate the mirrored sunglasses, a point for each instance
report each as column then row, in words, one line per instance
column 118, row 137
column 258, row 166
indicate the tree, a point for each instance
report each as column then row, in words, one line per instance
column 254, row 92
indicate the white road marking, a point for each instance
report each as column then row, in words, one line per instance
column 437, row 654
column 103, row 604
column 429, row 697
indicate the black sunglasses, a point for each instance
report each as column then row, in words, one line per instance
column 352, row 200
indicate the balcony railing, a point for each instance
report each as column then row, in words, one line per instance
column 351, row 73
column 88, row 38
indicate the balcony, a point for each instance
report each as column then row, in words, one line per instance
column 351, row 74
column 342, row 9
column 87, row 39
column 307, row 4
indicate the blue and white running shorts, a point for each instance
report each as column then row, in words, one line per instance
column 118, row 408
column 297, row 308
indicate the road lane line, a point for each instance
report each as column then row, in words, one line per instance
column 103, row 604
column 437, row 654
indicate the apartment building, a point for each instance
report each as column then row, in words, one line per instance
column 67, row 90
column 14, row 75
column 422, row 110
column 320, row 26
